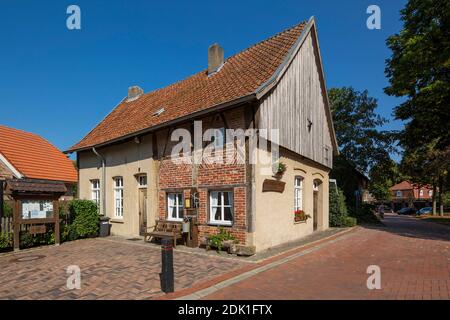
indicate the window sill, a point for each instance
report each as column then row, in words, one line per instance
column 116, row 220
column 220, row 224
column 301, row 222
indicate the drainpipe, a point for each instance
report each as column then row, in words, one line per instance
column 103, row 183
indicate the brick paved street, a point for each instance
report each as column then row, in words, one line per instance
column 109, row 270
column 414, row 257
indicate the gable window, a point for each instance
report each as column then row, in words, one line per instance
column 399, row 194
column 298, row 196
column 221, row 207
column 95, row 191
column 175, row 206
column 118, row 197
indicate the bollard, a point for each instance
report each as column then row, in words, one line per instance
column 166, row 275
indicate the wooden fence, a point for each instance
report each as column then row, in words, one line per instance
column 7, row 225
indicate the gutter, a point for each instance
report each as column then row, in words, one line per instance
column 103, row 183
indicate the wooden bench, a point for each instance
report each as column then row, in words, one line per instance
column 165, row 229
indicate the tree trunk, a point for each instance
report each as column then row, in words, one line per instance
column 441, row 204
column 434, row 200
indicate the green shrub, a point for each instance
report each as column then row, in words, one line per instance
column 365, row 214
column 26, row 240
column 216, row 240
column 7, row 210
column 5, row 240
column 338, row 210
column 85, row 218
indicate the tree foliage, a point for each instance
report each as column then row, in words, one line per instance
column 419, row 71
column 357, row 128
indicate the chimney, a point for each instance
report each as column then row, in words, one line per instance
column 134, row 93
column 215, row 58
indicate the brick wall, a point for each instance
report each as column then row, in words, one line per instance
column 5, row 173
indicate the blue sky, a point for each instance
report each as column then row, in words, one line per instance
column 60, row 83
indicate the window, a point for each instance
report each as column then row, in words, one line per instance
column 118, row 197
column 175, row 206
column 142, row 180
column 218, row 138
column 420, row 193
column 430, row 193
column 399, row 194
column 298, row 196
column 95, row 191
column 221, row 207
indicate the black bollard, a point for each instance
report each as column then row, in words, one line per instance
column 166, row 275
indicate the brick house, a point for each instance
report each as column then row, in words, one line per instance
column 407, row 194
column 127, row 163
column 27, row 156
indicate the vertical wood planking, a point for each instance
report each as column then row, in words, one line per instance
column 297, row 98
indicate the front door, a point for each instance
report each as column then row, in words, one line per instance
column 315, row 209
column 142, row 211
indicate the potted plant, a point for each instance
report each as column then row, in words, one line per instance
column 280, row 169
column 301, row 216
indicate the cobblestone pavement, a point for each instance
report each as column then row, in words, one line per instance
column 413, row 255
column 109, row 270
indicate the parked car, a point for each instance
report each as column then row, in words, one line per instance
column 425, row 210
column 407, row 211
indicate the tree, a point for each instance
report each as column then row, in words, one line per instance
column 383, row 175
column 419, row 70
column 356, row 125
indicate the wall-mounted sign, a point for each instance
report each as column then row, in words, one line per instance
column 37, row 209
column 273, row 186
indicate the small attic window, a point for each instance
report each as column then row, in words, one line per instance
column 158, row 112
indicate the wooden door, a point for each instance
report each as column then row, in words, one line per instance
column 142, row 211
column 315, row 209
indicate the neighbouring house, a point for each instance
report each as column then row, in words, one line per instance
column 31, row 159
column 408, row 194
column 132, row 166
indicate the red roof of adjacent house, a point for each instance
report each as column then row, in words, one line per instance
column 34, row 157
column 404, row 185
column 240, row 76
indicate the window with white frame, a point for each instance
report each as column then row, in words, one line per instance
column 430, row 193
column 420, row 193
column 142, row 181
column 175, row 206
column 399, row 194
column 221, row 207
column 218, row 138
column 95, row 191
column 298, row 193
column 118, row 197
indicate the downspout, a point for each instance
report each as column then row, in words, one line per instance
column 103, row 183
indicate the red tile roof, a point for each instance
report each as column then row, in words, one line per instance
column 404, row 185
column 34, row 157
column 240, row 76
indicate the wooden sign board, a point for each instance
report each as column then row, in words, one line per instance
column 273, row 186
column 38, row 229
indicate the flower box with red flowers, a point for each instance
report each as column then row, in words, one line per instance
column 301, row 216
